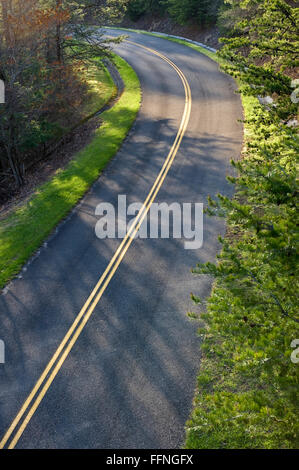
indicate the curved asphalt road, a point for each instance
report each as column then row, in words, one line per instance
column 130, row 378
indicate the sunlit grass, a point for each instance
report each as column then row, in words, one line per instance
column 101, row 89
column 23, row 231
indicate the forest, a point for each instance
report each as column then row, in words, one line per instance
column 46, row 54
column 201, row 12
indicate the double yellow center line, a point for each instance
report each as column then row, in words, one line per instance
column 40, row 389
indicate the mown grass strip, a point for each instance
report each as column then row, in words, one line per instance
column 95, row 75
column 24, row 230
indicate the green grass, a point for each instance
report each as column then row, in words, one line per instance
column 24, row 230
column 101, row 89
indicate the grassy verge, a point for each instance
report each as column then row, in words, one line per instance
column 23, row 231
column 235, row 406
column 98, row 97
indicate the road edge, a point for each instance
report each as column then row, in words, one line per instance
column 55, row 199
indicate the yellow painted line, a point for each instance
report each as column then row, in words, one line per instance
column 89, row 306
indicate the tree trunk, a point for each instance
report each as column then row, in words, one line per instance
column 14, row 167
column 58, row 34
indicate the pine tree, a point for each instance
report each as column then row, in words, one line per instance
column 249, row 398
